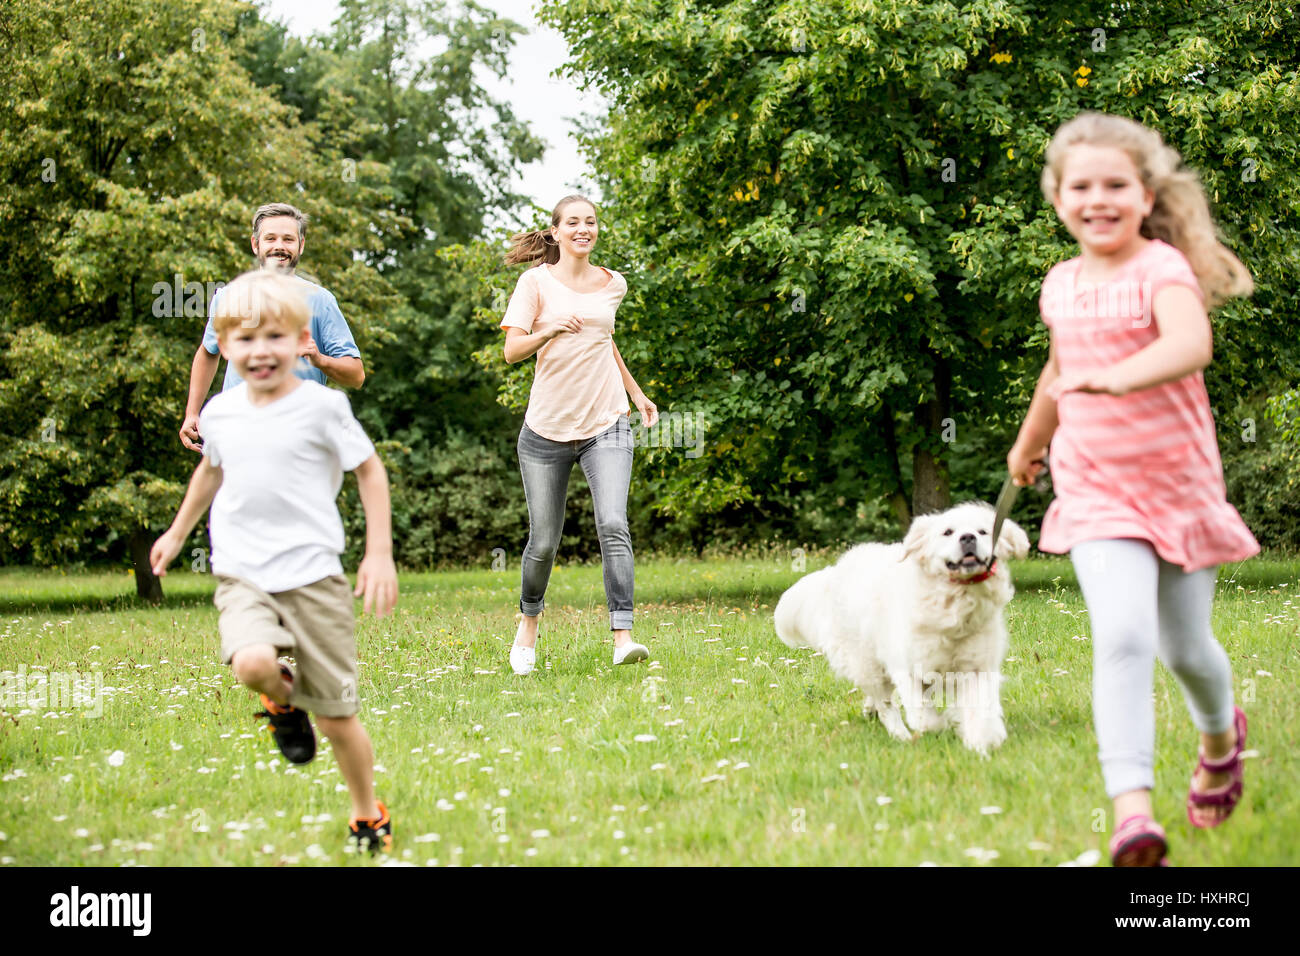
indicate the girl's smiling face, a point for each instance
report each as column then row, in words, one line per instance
column 1102, row 201
column 576, row 231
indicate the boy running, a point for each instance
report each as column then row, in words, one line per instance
column 276, row 446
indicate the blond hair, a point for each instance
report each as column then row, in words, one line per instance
column 538, row 244
column 263, row 295
column 1181, row 213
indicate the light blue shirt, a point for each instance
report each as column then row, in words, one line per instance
column 329, row 330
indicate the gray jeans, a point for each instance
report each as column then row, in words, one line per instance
column 1141, row 606
column 545, row 465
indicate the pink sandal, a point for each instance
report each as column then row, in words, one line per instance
column 1138, row 841
column 1227, row 795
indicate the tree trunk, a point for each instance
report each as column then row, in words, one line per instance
column 147, row 585
column 929, row 472
column 897, row 496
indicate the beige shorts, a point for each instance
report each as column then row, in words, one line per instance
column 314, row 624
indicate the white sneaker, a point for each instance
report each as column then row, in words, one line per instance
column 630, row 653
column 523, row 659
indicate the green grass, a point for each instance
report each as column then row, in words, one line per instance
column 760, row 756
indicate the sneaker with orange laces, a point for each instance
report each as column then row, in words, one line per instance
column 290, row 725
column 373, row 835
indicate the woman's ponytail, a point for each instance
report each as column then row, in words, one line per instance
column 531, row 246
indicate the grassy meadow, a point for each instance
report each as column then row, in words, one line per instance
column 726, row 748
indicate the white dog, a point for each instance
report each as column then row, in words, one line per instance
column 918, row 623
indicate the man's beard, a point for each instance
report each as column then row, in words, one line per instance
column 281, row 265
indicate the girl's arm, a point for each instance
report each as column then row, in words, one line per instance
column 1024, row 461
column 1185, row 346
column 649, row 413
column 198, row 498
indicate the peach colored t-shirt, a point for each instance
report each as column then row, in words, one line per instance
column 577, row 388
column 1142, row 465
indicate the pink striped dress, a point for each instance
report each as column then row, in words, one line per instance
column 1142, row 465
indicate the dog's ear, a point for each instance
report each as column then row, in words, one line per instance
column 914, row 543
column 1012, row 542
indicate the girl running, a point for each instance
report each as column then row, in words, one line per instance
column 1140, row 500
column 563, row 311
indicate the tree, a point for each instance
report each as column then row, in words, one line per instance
column 136, row 148
column 833, row 224
column 394, row 82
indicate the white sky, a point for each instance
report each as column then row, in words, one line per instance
column 546, row 103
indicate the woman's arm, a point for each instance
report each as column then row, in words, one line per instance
column 649, row 413
column 1185, row 346
column 520, row 344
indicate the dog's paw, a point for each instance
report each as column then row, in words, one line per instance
column 892, row 718
column 926, row 720
column 983, row 736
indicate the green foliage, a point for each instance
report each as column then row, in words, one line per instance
column 125, row 136
column 1261, row 466
column 828, row 213
column 831, row 219
column 203, row 111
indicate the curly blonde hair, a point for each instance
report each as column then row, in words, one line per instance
column 1181, row 214
column 538, row 244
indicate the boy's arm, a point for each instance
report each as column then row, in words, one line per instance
column 376, row 576
column 198, row 498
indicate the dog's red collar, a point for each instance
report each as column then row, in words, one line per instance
column 982, row 576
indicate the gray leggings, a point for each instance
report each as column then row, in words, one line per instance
column 1139, row 604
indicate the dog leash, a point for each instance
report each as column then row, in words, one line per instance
column 1007, row 498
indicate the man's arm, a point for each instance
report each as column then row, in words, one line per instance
column 346, row 370
column 202, row 371
column 331, row 345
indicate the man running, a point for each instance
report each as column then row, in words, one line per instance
column 279, row 235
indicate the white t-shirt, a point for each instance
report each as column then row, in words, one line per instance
column 274, row 521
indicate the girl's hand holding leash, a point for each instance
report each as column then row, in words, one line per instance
column 1026, row 464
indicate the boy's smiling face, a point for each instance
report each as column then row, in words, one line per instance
column 1101, row 199
column 264, row 355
